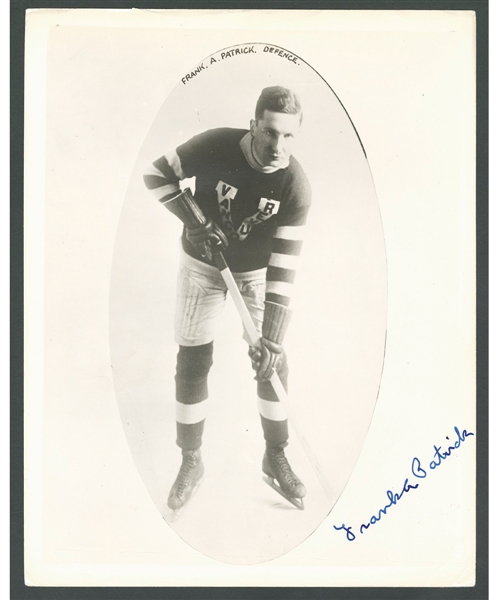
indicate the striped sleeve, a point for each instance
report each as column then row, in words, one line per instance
column 163, row 176
column 286, row 247
column 289, row 235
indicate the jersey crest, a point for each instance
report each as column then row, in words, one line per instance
column 227, row 193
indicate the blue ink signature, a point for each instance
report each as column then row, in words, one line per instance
column 417, row 471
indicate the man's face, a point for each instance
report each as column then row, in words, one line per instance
column 273, row 137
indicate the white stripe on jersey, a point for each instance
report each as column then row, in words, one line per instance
column 188, row 414
column 279, row 287
column 274, row 411
column 287, row 232
column 164, row 190
column 175, row 162
column 284, row 261
column 153, row 170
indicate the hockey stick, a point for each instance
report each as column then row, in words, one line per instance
column 184, row 206
column 254, row 336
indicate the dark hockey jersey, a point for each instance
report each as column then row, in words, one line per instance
column 262, row 212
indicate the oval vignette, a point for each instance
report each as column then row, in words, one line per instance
column 335, row 343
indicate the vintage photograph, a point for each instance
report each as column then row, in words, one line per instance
column 249, row 206
column 250, row 273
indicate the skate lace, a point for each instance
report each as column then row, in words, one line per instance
column 188, row 463
column 286, row 469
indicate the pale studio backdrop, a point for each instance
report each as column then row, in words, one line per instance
column 335, row 345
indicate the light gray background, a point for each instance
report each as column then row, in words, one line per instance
column 335, row 343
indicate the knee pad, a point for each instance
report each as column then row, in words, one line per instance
column 194, row 361
column 193, row 366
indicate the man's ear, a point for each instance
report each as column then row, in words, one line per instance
column 253, row 124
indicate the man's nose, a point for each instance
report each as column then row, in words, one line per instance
column 278, row 143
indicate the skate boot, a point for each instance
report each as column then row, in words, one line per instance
column 276, row 467
column 188, row 480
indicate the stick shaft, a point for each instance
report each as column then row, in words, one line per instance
column 254, row 336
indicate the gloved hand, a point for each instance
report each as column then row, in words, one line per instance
column 270, row 355
column 265, row 359
column 205, row 236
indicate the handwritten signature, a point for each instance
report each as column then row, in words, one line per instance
column 417, row 471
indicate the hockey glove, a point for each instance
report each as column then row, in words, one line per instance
column 205, row 236
column 201, row 233
column 270, row 355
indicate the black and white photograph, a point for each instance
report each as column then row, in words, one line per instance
column 250, row 298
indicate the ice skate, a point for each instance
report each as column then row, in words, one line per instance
column 277, row 469
column 187, row 482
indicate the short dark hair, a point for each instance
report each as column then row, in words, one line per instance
column 278, row 99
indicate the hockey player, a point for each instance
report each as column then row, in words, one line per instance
column 255, row 198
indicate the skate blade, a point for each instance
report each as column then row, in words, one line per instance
column 174, row 515
column 297, row 502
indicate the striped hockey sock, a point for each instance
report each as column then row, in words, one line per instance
column 272, row 414
column 193, row 365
